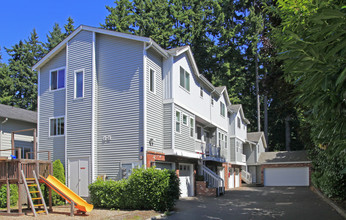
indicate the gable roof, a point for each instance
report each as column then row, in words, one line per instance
column 235, row 109
column 257, row 137
column 11, row 112
column 283, row 157
column 63, row 43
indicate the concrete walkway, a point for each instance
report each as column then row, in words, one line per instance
column 257, row 203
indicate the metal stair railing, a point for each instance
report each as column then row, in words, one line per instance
column 213, row 179
column 246, row 177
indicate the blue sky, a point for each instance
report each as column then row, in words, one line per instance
column 19, row 17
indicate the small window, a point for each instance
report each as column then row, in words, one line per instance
column 152, row 80
column 201, row 92
column 212, row 100
column 177, row 121
column 184, row 119
column 184, row 79
column 226, row 142
column 199, row 133
column 222, row 109
column 239, row 122
column 219, row 139
column 79, row 84
column 57, row 79
column 192, row 125
column 57, row 126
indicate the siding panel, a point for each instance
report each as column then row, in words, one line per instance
column 182, row 140
column 167, row 125
column 52, row 104
column 119, row 69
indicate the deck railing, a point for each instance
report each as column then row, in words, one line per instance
column 213, row 179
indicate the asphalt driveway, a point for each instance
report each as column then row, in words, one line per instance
column 257, row 203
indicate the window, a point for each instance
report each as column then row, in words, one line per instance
column 152, row 80
column 57, row 126
column 201, row 92
column 184, row 79
column 238, row 122
column 177, row 121
column 219, row 139
column 199, row 133
column 212, row 100
column 184, row 119
column 222, row 109
column 192, row 125
column 226, row 141
column 79, row 84
column 57, row 79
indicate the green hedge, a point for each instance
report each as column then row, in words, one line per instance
column 13, row 195
column 145, row 189
column 59, row 173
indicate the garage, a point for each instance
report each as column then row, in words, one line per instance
column 186, row 180
column 285, row 168
column 286, row 176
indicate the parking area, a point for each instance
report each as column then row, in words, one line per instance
column 257, row 203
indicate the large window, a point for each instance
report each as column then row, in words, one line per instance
column 57, row 126
column 79, row 84
column 184, row 79
column 57, row 79
column 192, row 126
column 152, row 80
column 222, row 109
column 177, row 121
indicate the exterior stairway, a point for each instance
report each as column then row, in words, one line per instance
column 246, row 177
column 213, row 180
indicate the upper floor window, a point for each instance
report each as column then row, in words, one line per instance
column 184, row 119
column 79, row 84
column 57, row 79
column 201, row 92
column 192, row 125
column 152, row 80
column 222, row 109
column 226, row 141
column 239, row 123
column 199, row 133
column 212, row 100
column 177, row 121
column 184, row 79
column 57, row 126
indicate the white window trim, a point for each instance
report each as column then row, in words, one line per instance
column 75, row 83
column 187, row 119
column 175, row 122
column 50, row 79
column 56, row 117
column 183, row 87
column 154, row 80
column 193, row 128
column 222, row 106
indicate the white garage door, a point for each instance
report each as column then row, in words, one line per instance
column 288, row 176
column 185, row 177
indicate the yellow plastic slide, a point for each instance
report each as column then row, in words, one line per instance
column 67, row 193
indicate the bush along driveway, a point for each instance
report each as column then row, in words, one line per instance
column 257, row 203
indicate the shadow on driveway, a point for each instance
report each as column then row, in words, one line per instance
column 257, row 203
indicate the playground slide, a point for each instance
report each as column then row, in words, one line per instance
column 67, row 193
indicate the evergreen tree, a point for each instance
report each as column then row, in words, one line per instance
column 23, row 56
column 6, row 85
column 69, row 27
column 55, row 37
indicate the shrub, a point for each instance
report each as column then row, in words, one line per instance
column 13, row 195
column 145, row 189
column 59, row 173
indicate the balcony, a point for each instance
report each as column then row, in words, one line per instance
column 210, row 151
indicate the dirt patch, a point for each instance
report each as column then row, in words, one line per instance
column 62, row 212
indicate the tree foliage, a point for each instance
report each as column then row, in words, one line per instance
column 311, row 41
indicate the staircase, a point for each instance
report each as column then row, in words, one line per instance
column 213, row 180
column 246, row 177
column 33, row 182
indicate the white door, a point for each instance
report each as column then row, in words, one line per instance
column 185, row 177
column 286, row 176
column 237, row 179
column 78, row 176
column 231, row 179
